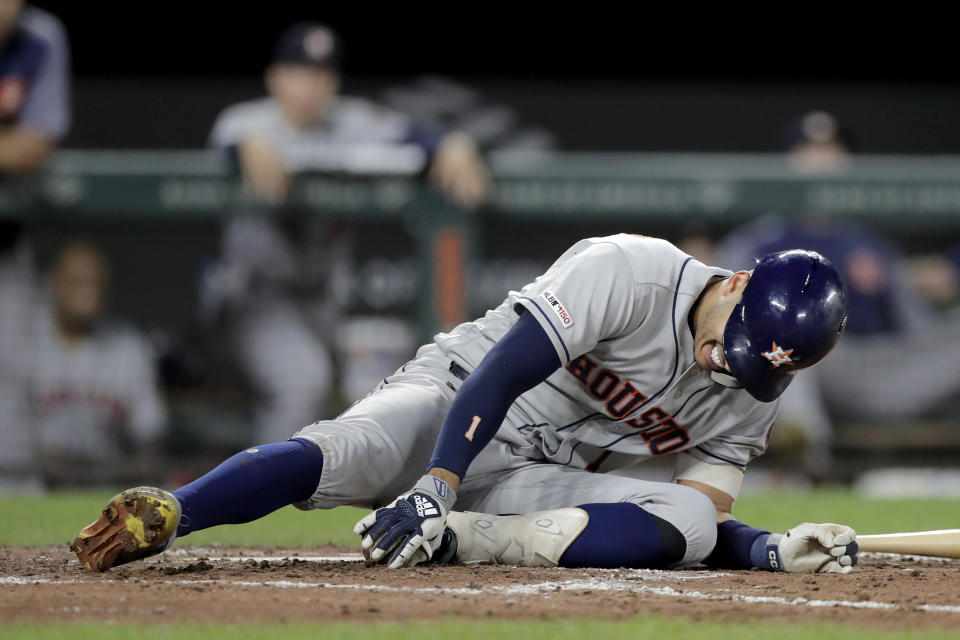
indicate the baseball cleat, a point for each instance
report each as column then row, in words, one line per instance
column 135, row 524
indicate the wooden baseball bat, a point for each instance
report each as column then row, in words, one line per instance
column 943, row 544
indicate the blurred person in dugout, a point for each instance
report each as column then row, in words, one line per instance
column 91, row 385
column 274, row 281
column 34, row 116
column 898, row 358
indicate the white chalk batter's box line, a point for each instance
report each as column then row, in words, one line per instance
column 624, row 581
column 356, row 557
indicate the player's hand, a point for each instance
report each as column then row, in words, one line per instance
column 814, row 548
column 263, row 170
column 408, row 530
column 459, row 171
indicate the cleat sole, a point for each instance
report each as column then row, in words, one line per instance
column 135, row 524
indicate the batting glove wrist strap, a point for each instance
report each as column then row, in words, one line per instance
column 436, row 489
column 408, row 530
column 770, row 548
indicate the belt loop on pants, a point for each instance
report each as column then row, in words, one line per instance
column 458, row 371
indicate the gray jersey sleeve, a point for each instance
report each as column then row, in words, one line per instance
column 47, row 108
column 588, row 295
column 742, row 444
column 720, row 461
column 228, row 130
column 238, row 121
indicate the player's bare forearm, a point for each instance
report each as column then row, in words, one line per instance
column 449, row 477
column 458, row 169
column 23, row 150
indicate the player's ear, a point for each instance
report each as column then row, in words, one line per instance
column 743, row 277
column 736, row 283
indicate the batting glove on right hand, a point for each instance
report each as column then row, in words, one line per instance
column 814, row 548
column 408, row 530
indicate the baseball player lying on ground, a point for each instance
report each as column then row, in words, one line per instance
column 625, row 349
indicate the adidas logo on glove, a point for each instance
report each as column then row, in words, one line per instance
column 425, row 506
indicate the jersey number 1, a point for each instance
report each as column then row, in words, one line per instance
column 473, row 428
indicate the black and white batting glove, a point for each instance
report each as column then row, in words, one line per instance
column 408, row 530
column 814, row 548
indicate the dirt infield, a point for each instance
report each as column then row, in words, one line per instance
column 205, row 584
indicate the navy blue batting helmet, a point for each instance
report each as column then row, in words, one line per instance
column 790, row 316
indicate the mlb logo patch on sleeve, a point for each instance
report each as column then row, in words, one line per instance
column 565, row 318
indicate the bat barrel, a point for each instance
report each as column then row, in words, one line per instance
column 944, row 543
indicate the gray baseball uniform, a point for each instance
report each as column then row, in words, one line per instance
column 354, row 135
column 86, row 399
column 616, row 310
column 35, row 76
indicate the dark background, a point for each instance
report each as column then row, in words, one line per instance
column 156, row 74
column 491, row 40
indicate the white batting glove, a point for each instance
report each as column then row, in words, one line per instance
column 814, row 548
column 408, row 530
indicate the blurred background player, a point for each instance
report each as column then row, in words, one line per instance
column 273, row 282
column 34, row 86
column 34, row 116
column 898, row 358
column 92, row 389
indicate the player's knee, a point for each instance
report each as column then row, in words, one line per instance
column 693, row 515
column 674, row 542
column 701, row 529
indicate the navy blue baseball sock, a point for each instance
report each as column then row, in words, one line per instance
column 250, row 485
column 622, row 534
column 739, row 546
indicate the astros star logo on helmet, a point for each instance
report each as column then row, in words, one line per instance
column 777, row 356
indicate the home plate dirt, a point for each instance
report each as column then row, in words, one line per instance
column 326, row 583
